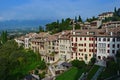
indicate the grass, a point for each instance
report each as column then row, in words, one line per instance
column 92, row 72
column 72, row 74
column 106, row 74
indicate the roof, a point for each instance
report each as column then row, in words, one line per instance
column 30, row 77
column 43, row 34
column 105, row 13
column 98, row 32
column 66, row 64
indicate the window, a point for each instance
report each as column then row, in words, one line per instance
column 84, row 44
column 71, row 39
column 108, row 39
column 85, row 38
column 89, row 54
column 113, row 39
column 80, row 38
column 96, row 39
column 113, row 45
column 76, row 39
column 89, row 50
column 118, row 45
column 108, row 51
column 89, row 45
column 99, row 39
column 118, row 39
column 90, row 39
column 92, row 50
column 92, row 45
column 96, row 45
column 108, row 45
column 104, row 39
column 95, row 50
column 72, row 44
column 113, row 51
column 84, row 50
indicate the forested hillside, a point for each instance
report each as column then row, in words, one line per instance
column 15, row 62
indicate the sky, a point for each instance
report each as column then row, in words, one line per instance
column 53, row 9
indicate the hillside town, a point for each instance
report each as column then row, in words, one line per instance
column 96, row 39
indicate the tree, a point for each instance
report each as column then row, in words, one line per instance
column 77, row 26
column 4, row 37
column 79, row 19
column 76, row 19
column 15, row 62
column 93, row 60
column 62, row 21
column 41, row 29
column 42, row 65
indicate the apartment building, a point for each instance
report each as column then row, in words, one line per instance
column 25, row 40
column 83, row 45
column 64, row 46
column 108, row 42
column 52, row 44
column 38, row 43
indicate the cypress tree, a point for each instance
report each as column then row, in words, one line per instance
column 79, row 19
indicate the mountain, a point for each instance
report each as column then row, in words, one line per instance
column 22, row 24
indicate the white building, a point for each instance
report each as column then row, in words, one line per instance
column 107, row 45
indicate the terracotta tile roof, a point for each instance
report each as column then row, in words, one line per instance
column 98, row 32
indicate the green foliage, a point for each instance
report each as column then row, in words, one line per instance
column 92, row 72
column 76, row 20
column 80, row 19
column 72, row 74
column 118, row 54
column 78, row 64
column 57, row 26
column 41, row 29
column 65, row 24
column 42, row 75
column 42, row 65
column 4, row 37
column 36, row 72
column 91, row 19
column 93, row 60
column 15, row 62
column 77, row 26
column 110, row 70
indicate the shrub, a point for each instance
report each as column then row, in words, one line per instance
column 78, row 64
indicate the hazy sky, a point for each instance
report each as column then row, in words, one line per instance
column 53, row 9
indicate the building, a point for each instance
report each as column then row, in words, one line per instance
column 64, row 46
column 52, row 49
column 105, row 15
column 111, row 24
column 95, row 24
column 25, row 40
column 108, row 42
column 83, row 45
column 76, row 44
